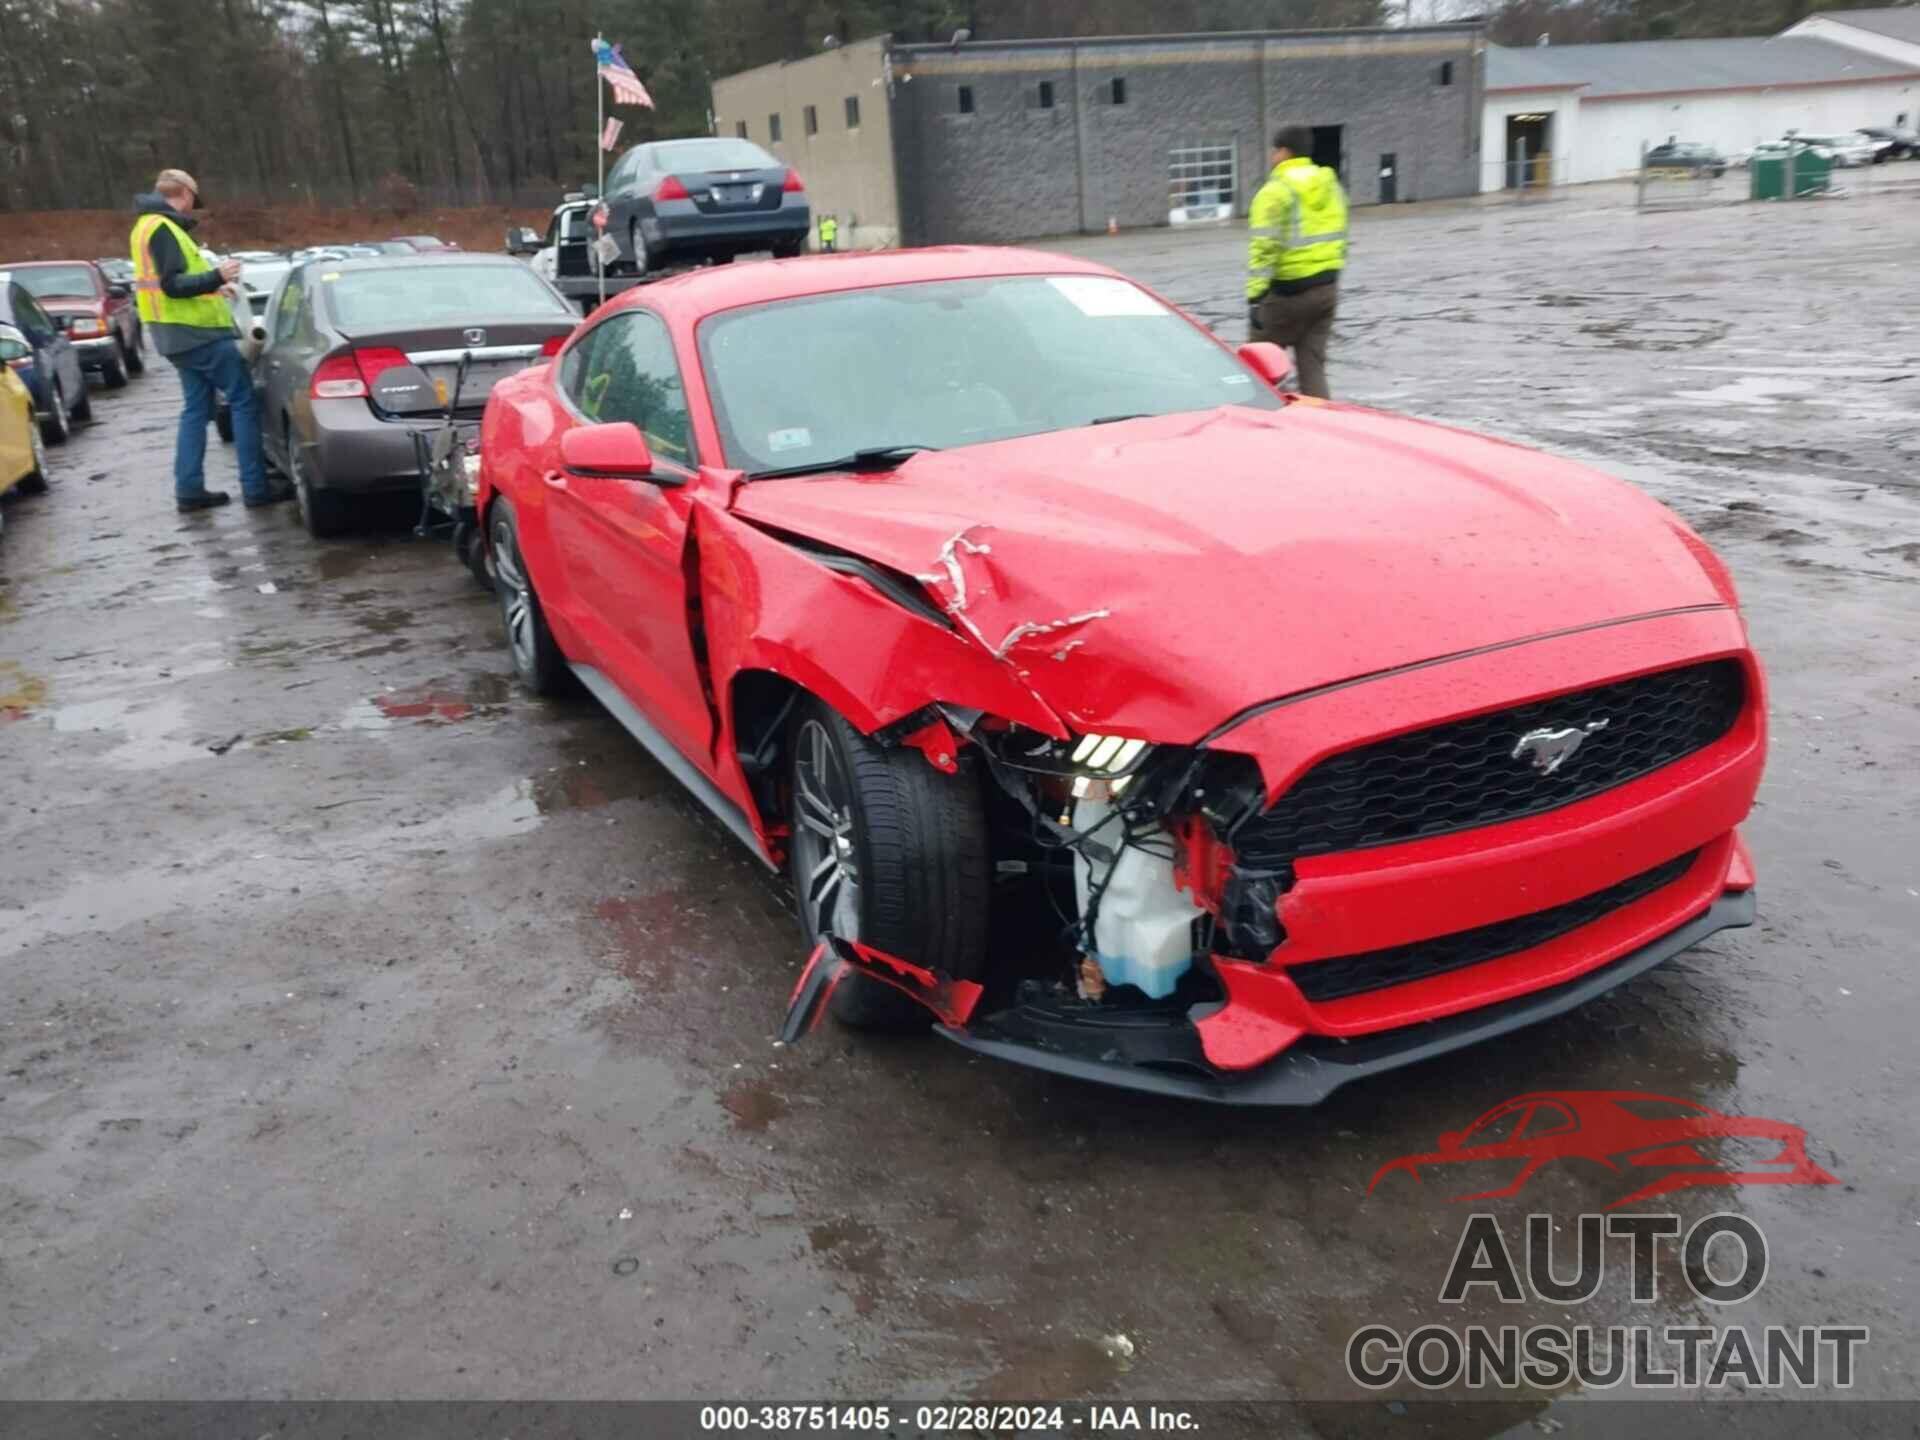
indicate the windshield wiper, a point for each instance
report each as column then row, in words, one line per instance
column 1115, row 419
column 860, row 462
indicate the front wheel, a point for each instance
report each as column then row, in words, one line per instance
column 536, row 655
column 114, row 372
column 888, row 851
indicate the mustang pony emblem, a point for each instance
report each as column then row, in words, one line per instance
column 1548, row 750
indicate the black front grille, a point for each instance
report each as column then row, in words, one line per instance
column 1322, row 980
column 1463, row 774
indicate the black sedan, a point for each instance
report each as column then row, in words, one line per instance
column 1684, row 155
column 703, row 199
column 361, row 354
column 1892, row 143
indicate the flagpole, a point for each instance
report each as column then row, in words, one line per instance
column 600, row 157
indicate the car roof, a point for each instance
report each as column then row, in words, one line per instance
column 703, row 292
column 438, row 264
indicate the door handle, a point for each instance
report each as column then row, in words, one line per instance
column 555, row 480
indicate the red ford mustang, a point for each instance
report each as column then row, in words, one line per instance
column 1140, row 722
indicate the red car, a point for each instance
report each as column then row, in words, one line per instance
column 1666, row 1143
column 1142, row 722
column 96, row 313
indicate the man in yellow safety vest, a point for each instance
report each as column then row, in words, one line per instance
column 1298, row 226
column 829, row 234
column 178, row 294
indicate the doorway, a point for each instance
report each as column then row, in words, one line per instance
column 1529, row 150
column 1389, row 177
column 1327, row 151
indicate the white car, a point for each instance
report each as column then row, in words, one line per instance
column 1848, row 147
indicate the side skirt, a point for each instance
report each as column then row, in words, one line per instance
column 662, row 749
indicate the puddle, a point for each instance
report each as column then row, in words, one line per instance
column 754, row 1105
column 1757, row 390
column 438, row 701
column 153, row 735
column 338, row 564
column 385, row 622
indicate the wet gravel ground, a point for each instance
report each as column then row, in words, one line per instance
column 369, row 1028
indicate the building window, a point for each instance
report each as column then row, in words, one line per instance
column 1119, row 90
column 1446, row 72
column 966, row 99
column 812, row 118
column 1046, row 95
column 773, row 128
column 740, row 128
column 853, row 112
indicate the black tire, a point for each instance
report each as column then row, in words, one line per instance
column 921, row 865
column 114, row 372
column 223, row 422
column 35, row 483
column 469, row 545
column 57, row 428
column 136, row 352
column 789, row 249
column 82, row 409
column 536, row 655
column 322, row 511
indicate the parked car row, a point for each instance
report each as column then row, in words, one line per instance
column 1872, row 145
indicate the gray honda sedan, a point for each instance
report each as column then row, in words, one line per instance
column 708, row 198
column 351, row 346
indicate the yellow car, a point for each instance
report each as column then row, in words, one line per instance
column 22, row 460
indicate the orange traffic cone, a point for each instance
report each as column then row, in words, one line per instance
column 1113, row 225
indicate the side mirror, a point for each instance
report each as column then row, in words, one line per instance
column 119, row 291
column 615, row 451
column 405, row 390
column 1267, row 360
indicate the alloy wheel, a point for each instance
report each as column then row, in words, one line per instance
column 827, row 872
column 516, row 597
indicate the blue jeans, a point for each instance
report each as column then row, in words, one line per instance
column 205, row 370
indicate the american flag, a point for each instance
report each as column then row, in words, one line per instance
column 610, row 136
column 613, row 67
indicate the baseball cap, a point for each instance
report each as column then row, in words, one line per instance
column 179, row 179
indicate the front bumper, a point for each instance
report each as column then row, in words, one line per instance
column 1159, row 1060
column 95, row 351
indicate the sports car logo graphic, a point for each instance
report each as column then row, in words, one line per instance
column 475, row 336
column 1550, row 749
column 1672, row 1144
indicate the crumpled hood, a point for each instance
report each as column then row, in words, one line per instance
column 1158, row 576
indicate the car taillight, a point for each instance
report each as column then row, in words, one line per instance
column 671, row 189
column 792, row 183
column 337, row 378
column 376, row 362
column 552, row 346
column 351, row 376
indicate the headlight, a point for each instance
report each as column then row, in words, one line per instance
column 1105, row 765
column 86, row 325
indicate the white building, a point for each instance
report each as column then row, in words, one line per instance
column 1587, row 109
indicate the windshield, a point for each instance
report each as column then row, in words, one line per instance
column 438, row 293
column 955, row 362
column 46, row 282
column 711, row 155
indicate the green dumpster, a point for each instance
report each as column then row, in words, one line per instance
column 1812, row 173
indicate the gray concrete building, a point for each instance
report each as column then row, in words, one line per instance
column 1012, row 140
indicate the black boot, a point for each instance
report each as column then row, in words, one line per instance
column 205, row 500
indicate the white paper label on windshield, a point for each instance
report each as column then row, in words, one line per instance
column 1101, row 296
column 798, row 438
